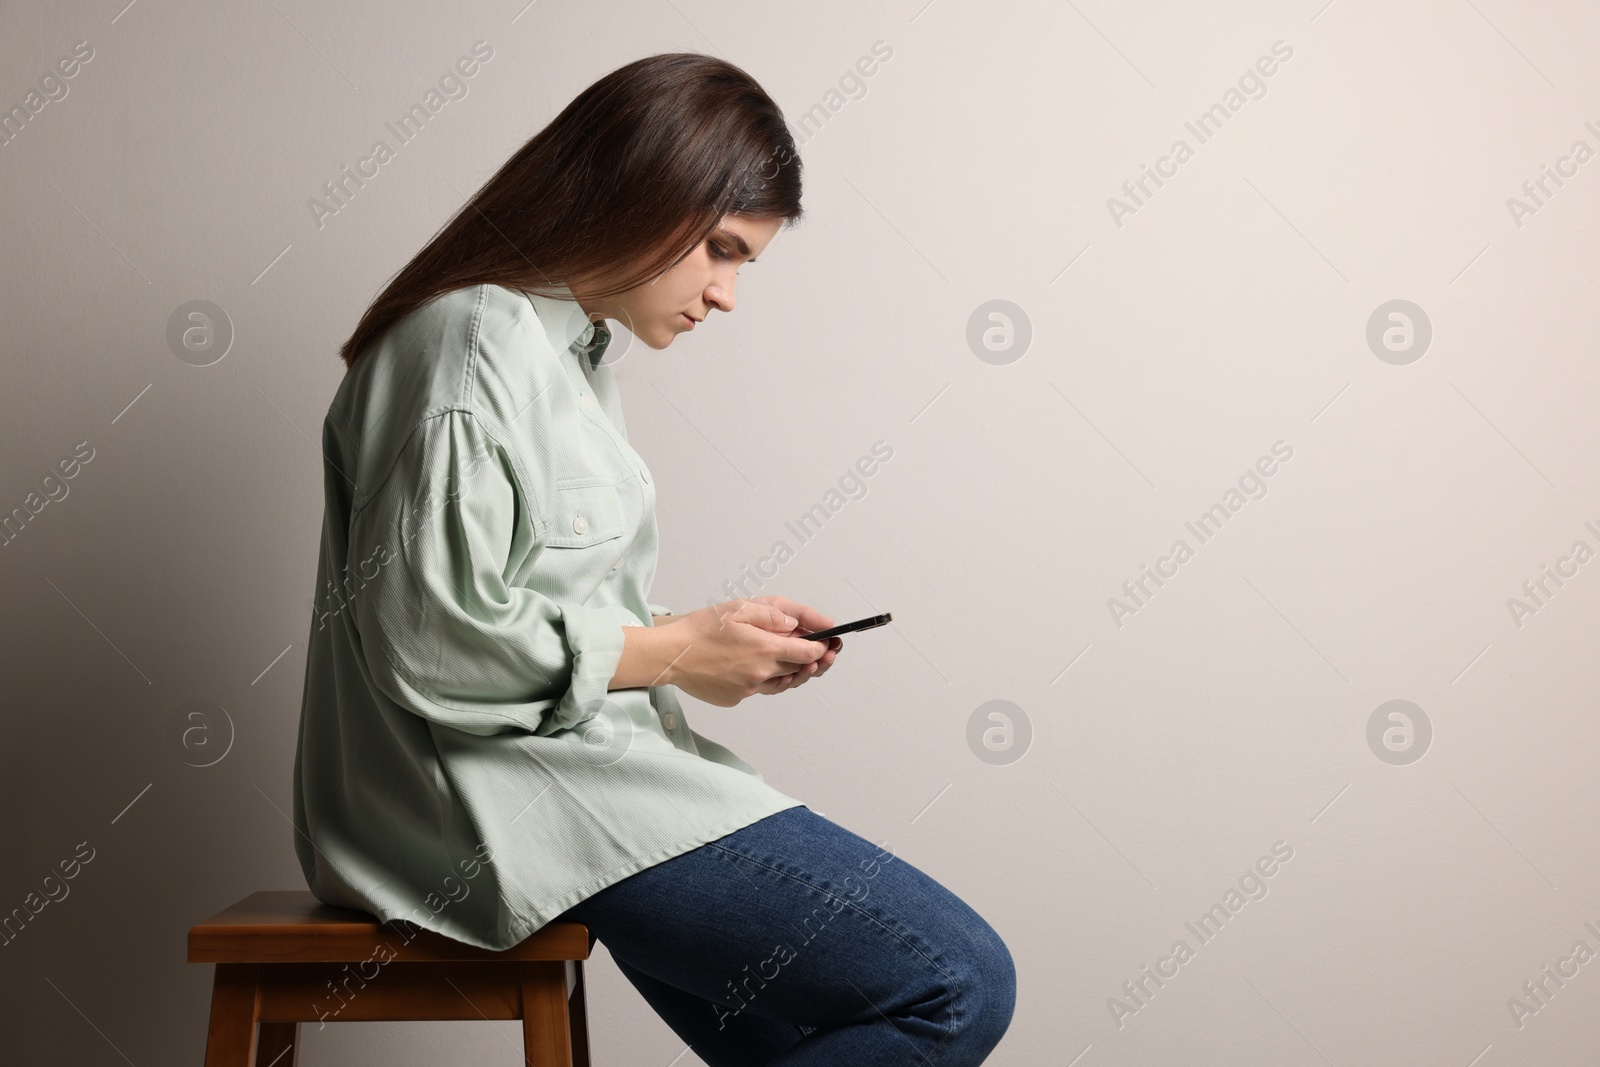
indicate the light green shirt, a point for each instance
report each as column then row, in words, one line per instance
column 487, row 533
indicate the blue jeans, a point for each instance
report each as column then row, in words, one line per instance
column 794, row 942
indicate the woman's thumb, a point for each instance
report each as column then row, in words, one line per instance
column 780, row 622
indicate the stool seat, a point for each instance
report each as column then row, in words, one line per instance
column 283, row 957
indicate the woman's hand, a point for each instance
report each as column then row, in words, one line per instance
column 810, row 621
column 739, row 648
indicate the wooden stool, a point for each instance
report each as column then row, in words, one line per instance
column 284, row 957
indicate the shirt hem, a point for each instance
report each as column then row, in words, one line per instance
column 524, row 927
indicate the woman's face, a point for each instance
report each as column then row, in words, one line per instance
column 659, row 310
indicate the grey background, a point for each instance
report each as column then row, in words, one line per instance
column 1167, row 355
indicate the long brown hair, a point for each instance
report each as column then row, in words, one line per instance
column 630, row 177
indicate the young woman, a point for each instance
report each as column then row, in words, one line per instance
column 490, row 737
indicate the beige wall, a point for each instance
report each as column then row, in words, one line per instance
column 1150, row 356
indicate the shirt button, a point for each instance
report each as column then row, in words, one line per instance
column 670, row 721
column 580, row 524
column 584, row 399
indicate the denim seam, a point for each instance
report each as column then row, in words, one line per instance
column 956, row 1005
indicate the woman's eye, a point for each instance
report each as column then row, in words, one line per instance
column 717, row 252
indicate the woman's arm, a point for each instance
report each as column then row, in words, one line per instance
column 647, row 659
column 724, row 653
column 443, row 634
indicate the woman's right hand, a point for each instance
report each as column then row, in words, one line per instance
column 737, row 649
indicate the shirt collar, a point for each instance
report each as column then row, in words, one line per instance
column 565, row 324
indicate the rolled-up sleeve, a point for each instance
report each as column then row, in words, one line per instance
column 445, row 631
column 659, row 609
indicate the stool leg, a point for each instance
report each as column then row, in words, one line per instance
column 231, row 1040
column 578, row 1017
column 546, row 1039
column 278, row 1045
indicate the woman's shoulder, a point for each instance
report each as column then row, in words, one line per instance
column 463, row 326
column 443, row 352
column 480, row 350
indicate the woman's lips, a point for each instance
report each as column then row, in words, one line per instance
column 687, row 319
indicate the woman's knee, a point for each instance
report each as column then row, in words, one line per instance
column 997, row 984
column 957, row 1014
column 986, row 998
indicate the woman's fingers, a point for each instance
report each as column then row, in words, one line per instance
column 796, row 674
column 810, row 669
column 780, row 683
column 774, row 686
column 809, row 618
column 829, row 655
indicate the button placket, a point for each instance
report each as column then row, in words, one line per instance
column 591, row 404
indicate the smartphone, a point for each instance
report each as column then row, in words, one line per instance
column 850, row 627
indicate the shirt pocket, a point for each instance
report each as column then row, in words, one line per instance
column 587, row 512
